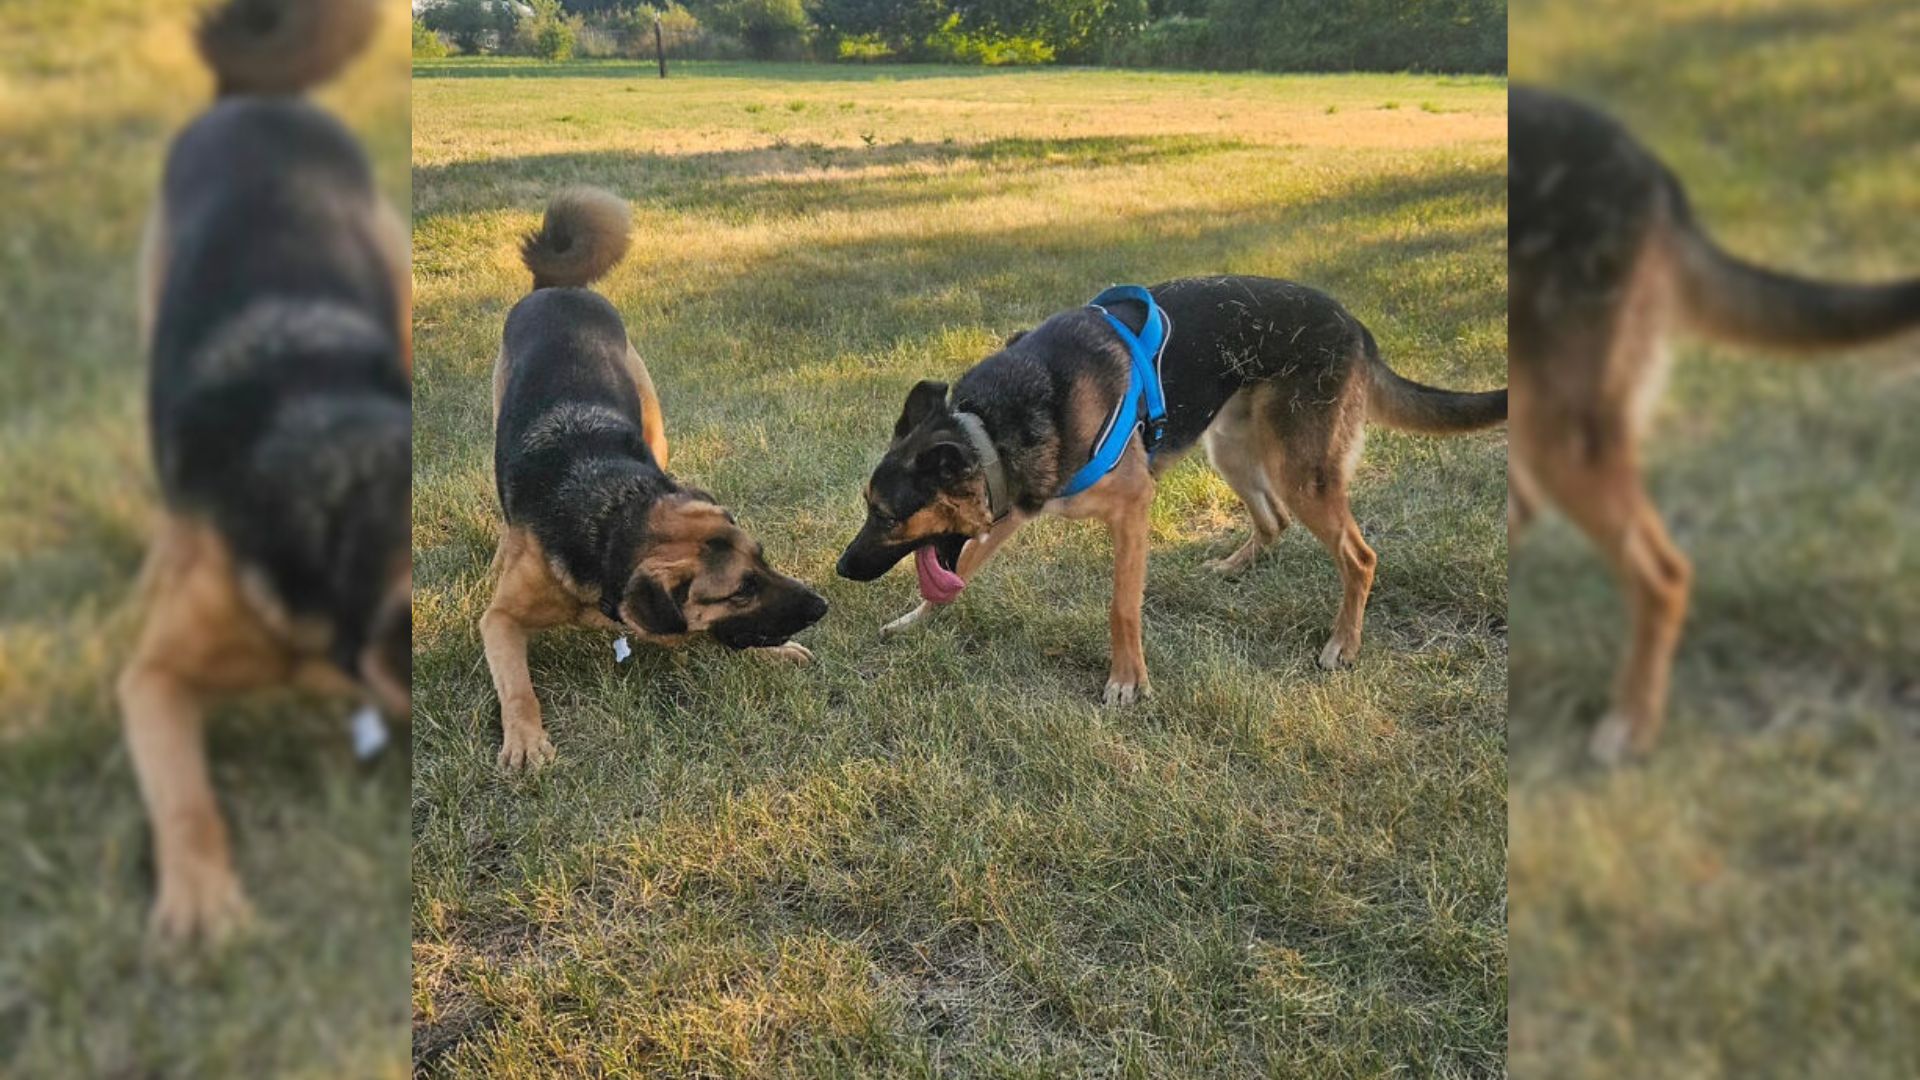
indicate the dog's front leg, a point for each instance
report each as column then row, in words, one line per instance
column 198, row 894
column 972, row 557
column 523, row 741
column 1127, row 677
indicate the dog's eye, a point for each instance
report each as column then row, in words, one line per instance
column 744, row 595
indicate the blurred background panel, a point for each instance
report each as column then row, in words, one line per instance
column 91, row 91
column 1744, row 903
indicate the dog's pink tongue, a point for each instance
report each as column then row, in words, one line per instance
column 938, row 585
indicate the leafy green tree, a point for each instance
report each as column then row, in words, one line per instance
column 471, row 24
column 902, row 24
column 768, row 28
column 427, row 44
column 549, row 33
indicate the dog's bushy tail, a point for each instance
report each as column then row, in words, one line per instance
column 1730, row 299
column 277, row 47
column 585, row 234
column 1401, row 403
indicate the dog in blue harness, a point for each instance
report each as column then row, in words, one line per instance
column 1080, row 415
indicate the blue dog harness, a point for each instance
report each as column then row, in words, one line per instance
column 1142, row 406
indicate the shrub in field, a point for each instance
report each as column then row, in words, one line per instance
column 863, row 47
column 427, row 45
column 770, row 29
column 593, row 41
column 629, row 32
column 547, row 32
column 1359, row 35
column 1178, row 41
column 871, row 29
column 953, row 44
column 472, row 25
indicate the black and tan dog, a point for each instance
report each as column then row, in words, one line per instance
column 1277, row 379
column 597, row 532
column 274, row 309
column 1605, row 261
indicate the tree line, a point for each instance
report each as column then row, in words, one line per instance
column 1218, row 35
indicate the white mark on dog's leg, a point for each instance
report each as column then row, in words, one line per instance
column 790, row 651
column 908, row 621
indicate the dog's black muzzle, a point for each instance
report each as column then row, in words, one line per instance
column 866, row 558
column 786, row 610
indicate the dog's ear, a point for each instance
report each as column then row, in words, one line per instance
column 941, row 462
column 927, row 397
column 653, row 607
column 1013, row 337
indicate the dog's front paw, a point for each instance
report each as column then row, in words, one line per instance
column 1125, row 690
column 908, row 621
column 1612, row 740
column 524, row 746
column 792, row 652
column 202, row 902
column 1336, row 653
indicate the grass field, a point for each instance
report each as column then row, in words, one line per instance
column 1745, row 903
column 939, row 855
column 90, row 92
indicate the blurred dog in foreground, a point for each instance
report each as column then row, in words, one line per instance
column 274, row 309
column 597, row 532
column 1605, row 260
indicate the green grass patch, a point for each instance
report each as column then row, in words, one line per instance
column 939, row 855
column 92, row 92
column 1743, row 905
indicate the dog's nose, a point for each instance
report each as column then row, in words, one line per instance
column 816, row 608
column 844, row 567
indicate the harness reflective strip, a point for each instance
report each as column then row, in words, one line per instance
column 1143, row 387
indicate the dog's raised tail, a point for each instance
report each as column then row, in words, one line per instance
column 1399, row 402
column 1728, row 298
column 280, row 47
column 585, row 234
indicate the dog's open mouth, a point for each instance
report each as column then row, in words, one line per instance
column 935, row 562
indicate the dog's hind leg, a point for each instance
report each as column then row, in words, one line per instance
column 654, row 424
column 1237, row 450
column 1602, row 493
column 1313, row 480
column 1521, row 502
